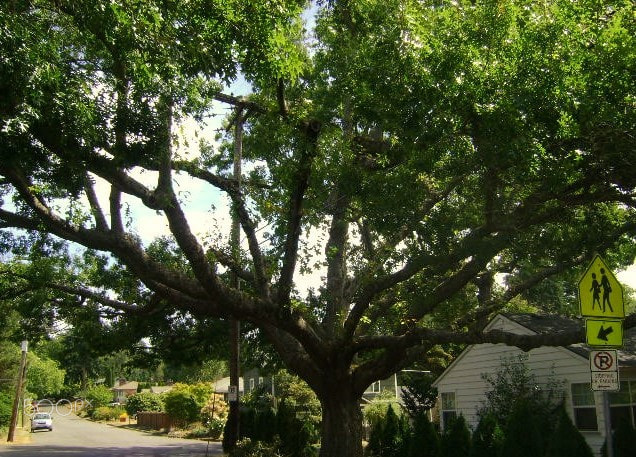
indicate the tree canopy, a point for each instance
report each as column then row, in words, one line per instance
column 434, row 159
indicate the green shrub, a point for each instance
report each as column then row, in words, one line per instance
column 106, row 413
column 265, row 425
column 181, row 406
column 248, row 448
column 375, row 411
column 456, row 439
column 423, row 441
column 567, row 440
column 487, row 437
column 296, row 435
column 98, row 396
column 6, row 405
column 215, row 428
column 143, row 402
column 522, row 434
column 388, row 436
column 624, row 440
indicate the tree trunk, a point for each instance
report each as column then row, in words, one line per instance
column 341, row 430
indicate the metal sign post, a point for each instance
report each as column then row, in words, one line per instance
column 601, row 299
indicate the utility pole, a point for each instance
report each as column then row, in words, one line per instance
column 18, row 392
column 235, row 325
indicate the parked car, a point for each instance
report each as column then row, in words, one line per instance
column 42, row 420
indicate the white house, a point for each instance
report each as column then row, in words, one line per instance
column 462, row 388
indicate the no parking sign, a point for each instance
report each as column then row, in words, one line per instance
column 604, row 369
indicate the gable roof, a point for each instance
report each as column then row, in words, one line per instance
column 549, row 323
column 130, row 385
column 546, row 323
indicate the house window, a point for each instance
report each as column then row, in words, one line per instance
column 584, row 407
column 623, row 404
column 251, row 384
column 449, row 408
column 260, row 380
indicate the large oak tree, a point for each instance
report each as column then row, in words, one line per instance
column 450, row 156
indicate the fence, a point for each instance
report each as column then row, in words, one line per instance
column 154, row 420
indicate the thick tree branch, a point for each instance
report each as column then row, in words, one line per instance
column 98, row 214
column 335, row 252
column 290, row 256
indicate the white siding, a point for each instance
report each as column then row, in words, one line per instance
column 464, row 376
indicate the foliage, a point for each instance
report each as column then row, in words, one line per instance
column 210, row 371
column 216, row 409
column 389, row 436
column 6, row 405
column 297, row 434
column 524, row 431
column 248, row 448
column 487, row 438
column 455, row 441
column 376, row 410
column 513, row 383
column 258, row 399
column 98, row 396
column 181, row 405
column 423, row 440
column 624, row 439
column 297, row 394
column 432, row 147
column 418, row 394
column 107, row 413
column 143, row 401
column 44, row 377
column 566, row 439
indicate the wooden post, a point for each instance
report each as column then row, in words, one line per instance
column 235, row 325
column 18, row 393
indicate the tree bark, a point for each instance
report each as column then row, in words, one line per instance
column 341, row 429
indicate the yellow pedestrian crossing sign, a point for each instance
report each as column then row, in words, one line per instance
column 600, row 294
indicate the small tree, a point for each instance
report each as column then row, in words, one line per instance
column 423, row 440
column 523, row 437
column 456, row 439
column 566, row 440
column 624, row 439
column 487, row 437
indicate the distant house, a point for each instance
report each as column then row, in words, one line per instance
column 160, row 389
column 384, row 385
column 462, row 387
column 124, row 389
column 222, row 386
column 255, row 379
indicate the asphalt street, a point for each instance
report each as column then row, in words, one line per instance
column 73, row 436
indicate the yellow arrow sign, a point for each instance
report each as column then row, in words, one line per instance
column 604, row 333
column 600, row 294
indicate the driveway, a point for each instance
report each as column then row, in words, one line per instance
column 76, row 437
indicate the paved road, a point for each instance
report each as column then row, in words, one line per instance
column 76, row 437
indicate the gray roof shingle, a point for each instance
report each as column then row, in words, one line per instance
column 548, row 323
